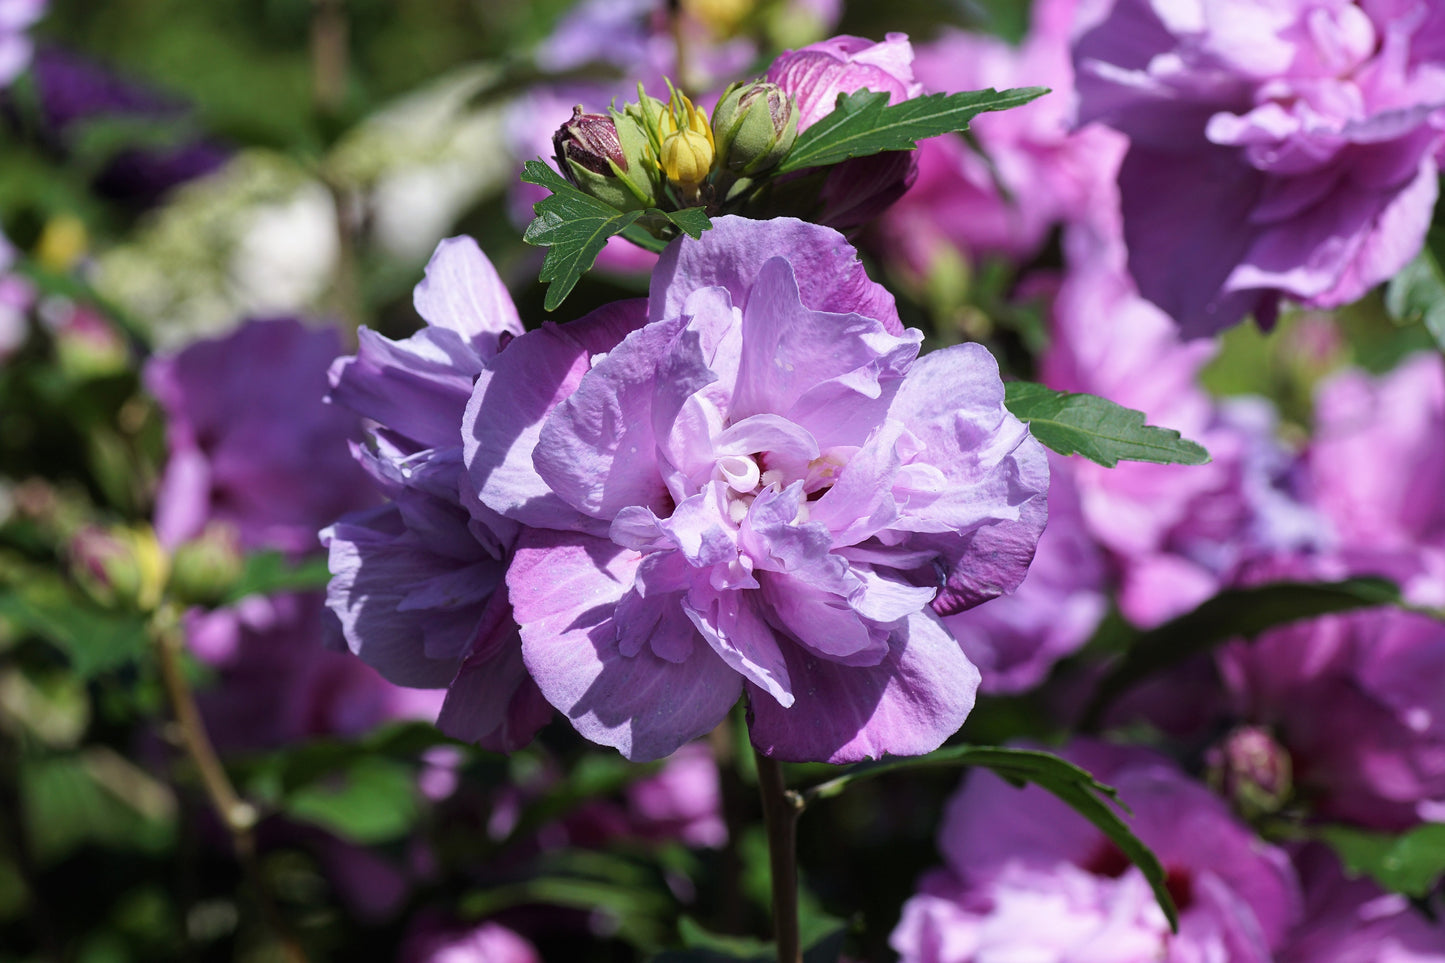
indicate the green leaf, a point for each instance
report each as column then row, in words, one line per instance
column 1096, row 428
column 266, row 573
column 374, row 801
column 75, row 799
column 702, row 946
column 863, row 123
column 1233, row 613
column 1412, row 863
column 632, row 892
column 1417, row 294
column 574, row 227
column 1074, row 786
column 94, row 641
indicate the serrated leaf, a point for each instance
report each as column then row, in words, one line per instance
column 1097, row 428
column 1071, row 784
column 1417, row 294
column 863, row 123
column 1412, row 863
column 574, row 227
column 1233, row 613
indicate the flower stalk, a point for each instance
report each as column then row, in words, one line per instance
column 781, row 809
column 238, row 816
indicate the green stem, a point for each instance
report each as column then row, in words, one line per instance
column 781, row 808
column 238, row 816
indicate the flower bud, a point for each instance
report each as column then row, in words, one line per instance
column 119, row 566
column 1252, row 770
column 205, row 569
column 592, row 155
column 687, row 159
column 754, row 127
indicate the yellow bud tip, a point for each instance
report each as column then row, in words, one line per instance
column 687, row 158
column 63, row 242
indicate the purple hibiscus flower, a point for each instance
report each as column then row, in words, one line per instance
column 1051, row 172
column 1026, row 877
column 277, row 684
column 1296, row 140
column 1359, row 703
column 856, row 191
column 417, row 582
column 16, row 17
column 1377, row 471
column 251, row 443
column 1353, row 921
column 756, row 487
column 74, row 91
column 1175, row 534
column 1015, row 640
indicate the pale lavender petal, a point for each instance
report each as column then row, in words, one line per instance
column 731, row 255
column 597, row 451
column 565, row 588
column 512, row 400
column 906, row 705
column 463, row 293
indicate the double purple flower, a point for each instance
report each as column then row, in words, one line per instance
column 1276, row 149
column 752, row 484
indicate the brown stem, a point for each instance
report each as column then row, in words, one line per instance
column 781, row 808
column 238, row 816
column 330, row 55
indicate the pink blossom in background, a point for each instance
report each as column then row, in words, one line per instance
column 250, row 442
column 1377, row 472
column 856, row 191
column 1358, row 701
column 417, row 582
column 1037, row 170
column 1026, row 877
column 1016, row 639
column 1354, row 921
column 754, row 486
column 683, row 800
column 16, row 17
column 1296, row 141
column 434, row 940
column 277, row 683
column 17, row 296
column 1176, row 534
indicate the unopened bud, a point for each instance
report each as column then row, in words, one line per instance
column 1252, row 770
column 754, row 127
column 119, row 566
column 205, row 569
column 687, row 159
column 591, row 154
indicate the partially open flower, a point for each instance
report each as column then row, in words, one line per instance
column 590, row 153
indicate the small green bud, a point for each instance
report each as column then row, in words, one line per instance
column 205, row 569
column 754, row 127
column 591, row 154
column 1252, row 770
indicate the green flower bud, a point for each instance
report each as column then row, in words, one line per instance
column 592, row 152
column 205, row 569
column 754, row 127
